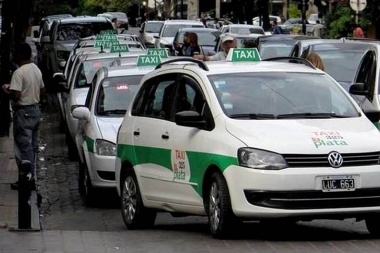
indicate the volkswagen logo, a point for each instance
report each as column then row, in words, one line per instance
column 335, row 159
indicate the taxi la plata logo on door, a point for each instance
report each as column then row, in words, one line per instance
column 180, row 165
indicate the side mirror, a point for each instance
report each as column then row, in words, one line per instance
column 81, row 113
column 358, row 89
column 190, row 119
column 372, row 115
column 60, row 82
column 45, row 39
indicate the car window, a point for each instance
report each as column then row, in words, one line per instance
column 155, row 97
column 274, row 94
column 77, row 31
column 275, row 49
column 91, row 66
column 205, row 38
column 153, row 27
column 188, row 97
column 115, row 94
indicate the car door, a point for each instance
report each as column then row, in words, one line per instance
column 150, row 138
column 188, row 145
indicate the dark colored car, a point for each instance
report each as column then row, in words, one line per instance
column 207, row 38
column 278, row 45
column 287, row 26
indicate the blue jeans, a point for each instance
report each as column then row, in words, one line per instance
column 26, row 121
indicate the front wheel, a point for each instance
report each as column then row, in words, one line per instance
column 220, row 215
column 135, row 214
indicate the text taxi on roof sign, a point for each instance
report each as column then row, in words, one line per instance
column 251, row 141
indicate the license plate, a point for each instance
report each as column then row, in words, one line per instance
column 338, row 183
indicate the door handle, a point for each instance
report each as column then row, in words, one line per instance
column 165, row 136
column 136, row 133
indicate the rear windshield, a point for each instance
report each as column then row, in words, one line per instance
column 82, row 30
column 115, row 94
column 153, row 27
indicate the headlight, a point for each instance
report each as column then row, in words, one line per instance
column 260, row 159
column 105, row 148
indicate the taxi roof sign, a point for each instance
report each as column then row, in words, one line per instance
column 119, row 48
column 148, row 60
column 243, row 55
column 106, row 44
column 112, row 31
column 162, row 52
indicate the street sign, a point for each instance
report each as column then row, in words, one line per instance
column 358, row 5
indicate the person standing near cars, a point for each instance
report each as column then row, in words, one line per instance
column 316, row 30
column 25, row 90
column 276, row 28
column 316, row 60
column 228, row 42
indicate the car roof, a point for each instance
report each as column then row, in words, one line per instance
column 182, row 21
column 83, row 20
column 131, row 70
column 197, row 29
column 227, row 67
column 94, row 56
column 285, row 37
column 243, row 25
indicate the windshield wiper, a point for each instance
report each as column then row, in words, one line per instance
column 310, row 115
column 252, row 116
column 115, row 111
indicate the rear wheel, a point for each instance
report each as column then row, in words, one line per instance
column 135, row 214
column 220, row 215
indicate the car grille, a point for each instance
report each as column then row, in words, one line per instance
column 320, row 160
column 314, row 199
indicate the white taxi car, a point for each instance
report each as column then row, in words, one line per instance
column 108, row 97
column 246, row 140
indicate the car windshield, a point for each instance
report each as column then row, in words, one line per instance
column 153, row 27
column 77, row 31
column 279, row 95
column 119, row 15
column 335, row 59
column 171, row 30
column 275, row 48
column 115, row 94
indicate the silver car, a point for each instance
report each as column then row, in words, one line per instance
column 148, row 30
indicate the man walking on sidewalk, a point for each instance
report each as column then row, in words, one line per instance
column 26, row 90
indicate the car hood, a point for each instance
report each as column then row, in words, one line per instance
column 108, row 127
column 307, row 136
column 79, row 96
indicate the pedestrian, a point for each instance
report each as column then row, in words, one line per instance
column 26, row 91
column 228, row 42
column 190, row 45
column 316, row 30
column 276, row 28
column 316, row 60
column 216, row 23
column 358, row 31
column 115, row 23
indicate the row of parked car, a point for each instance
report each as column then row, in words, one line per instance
column 250, row 138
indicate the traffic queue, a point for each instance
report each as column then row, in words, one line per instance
column 261, row 134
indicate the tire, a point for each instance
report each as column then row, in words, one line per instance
column 72, row 153
column 135, row 214
column 81, row 179
column 222, row 220
column 89, row 194
column 373, row 225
